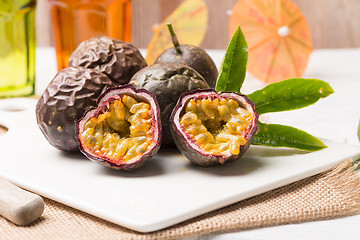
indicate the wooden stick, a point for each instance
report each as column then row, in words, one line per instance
column 17, row 205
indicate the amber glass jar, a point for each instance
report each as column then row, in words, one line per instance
column 74, row 21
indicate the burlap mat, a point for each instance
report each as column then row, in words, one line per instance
column 334, row 193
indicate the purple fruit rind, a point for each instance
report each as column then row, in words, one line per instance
column 117, row 59
column 108, row 96
column 70, row 93
column 195, row 57
column 186, row 145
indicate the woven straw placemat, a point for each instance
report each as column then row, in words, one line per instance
column 331, row 194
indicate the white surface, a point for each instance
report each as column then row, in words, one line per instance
column 335, row 118
column 165, row 191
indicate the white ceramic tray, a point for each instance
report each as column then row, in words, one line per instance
column 165, row 191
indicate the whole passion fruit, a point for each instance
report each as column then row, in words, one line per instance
column 195, row 57
column 123, row 131
column 72, row 92
column 191, row 55
column 167, row 81
column 117, row 59
column 212, row 128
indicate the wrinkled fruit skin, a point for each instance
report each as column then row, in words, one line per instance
column 167, row 81
column 117, row 59
column 109, row 96
column 195, row 57
column 185, row 145
column 72, row 92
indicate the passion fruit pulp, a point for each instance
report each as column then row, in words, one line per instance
column 123, row 131
column 167, row 81
column 212, row 128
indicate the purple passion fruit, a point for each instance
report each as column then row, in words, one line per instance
column 167, row 81
column 72, row 92
column 212, row 128
column 117, row 59
column 195, row 57
column 123, row 131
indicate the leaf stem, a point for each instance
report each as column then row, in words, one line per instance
column 174, row 38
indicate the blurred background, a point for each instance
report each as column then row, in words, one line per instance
column 333, row 23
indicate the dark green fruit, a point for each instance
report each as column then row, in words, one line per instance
column 194, row 57
column 123, row 131
column 72, row 92
column 212, row 128
column 117, row 59
column 167, row 81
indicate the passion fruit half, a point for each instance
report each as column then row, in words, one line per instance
column 123, row 131
column 212, row 128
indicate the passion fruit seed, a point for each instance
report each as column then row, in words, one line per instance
column 217, row 126
column 122, row 132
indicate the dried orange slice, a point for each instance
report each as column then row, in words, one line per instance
column 277, row 35
column 189, row 21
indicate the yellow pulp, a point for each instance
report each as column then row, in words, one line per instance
column 122, row 132
column 216, row 125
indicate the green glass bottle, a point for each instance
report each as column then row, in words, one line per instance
column 17, row 48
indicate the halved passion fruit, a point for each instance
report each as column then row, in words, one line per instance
column 212, row 128
column 123, row 131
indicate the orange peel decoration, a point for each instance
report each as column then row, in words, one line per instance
column 189, row 21
column 277, row 35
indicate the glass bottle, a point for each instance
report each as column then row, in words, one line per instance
column 76, row 21
column 17, row 48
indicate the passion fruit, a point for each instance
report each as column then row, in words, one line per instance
column 72, row 92
column 167, row 81
column 212, row 128
column 191, row 55
column 123, row 131
column 117, row 59
column 194, row 57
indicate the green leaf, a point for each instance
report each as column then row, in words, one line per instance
column 276, row 135
column 289, row 94
column 233, row 68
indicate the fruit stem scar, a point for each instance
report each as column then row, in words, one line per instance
column 283, row 31
column 174, row 38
